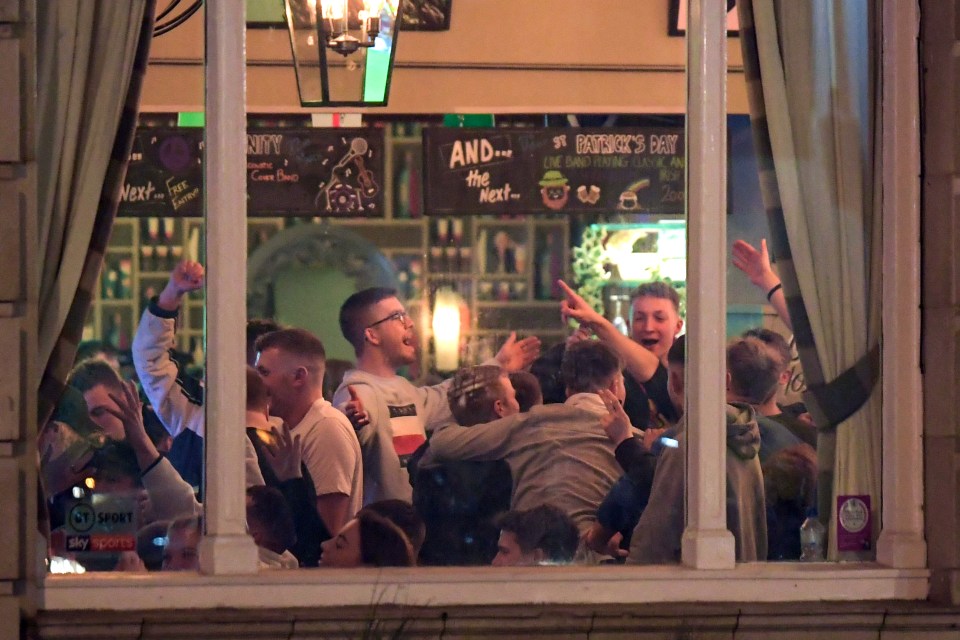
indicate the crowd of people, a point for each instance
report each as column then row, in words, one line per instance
column 573, row 455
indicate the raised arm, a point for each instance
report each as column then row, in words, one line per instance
column 640, row 362
column 756, row 265
column 176, row 407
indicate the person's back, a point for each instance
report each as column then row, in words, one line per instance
column 561, row 455
column 657, row 536
column 459, row 500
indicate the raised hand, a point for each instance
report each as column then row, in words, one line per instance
column 130, row 412
column 187, row 276
column 284, row 454
column 355, row 411
column 573, row 306
column 755, row 264
column 515, row 354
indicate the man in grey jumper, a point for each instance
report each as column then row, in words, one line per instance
column 558, row 453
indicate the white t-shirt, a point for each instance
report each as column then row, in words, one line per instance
column 331, row 452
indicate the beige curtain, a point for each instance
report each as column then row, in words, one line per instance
column 811, row 70
column 91, row 58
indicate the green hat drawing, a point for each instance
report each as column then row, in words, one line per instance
column 553, row 178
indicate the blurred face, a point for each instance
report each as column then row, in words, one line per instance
column 655, row 324
column 180, row 554
column 391, row 329
column 509, row 553
column 342, row 550
column 98, row 401
column 506, row 403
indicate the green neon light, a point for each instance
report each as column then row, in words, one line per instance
column 191, row 119
column 376, row 75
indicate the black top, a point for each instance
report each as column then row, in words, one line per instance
column 648, row 404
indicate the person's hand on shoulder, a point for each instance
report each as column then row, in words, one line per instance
column 284, row 454
column 615, row 423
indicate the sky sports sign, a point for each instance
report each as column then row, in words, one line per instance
column 101, row 523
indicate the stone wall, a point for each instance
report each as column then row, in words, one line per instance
column 17, row 311
column 940, row 79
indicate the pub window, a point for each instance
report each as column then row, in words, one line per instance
column 476, row 223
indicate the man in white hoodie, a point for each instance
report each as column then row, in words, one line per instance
column 397, row 415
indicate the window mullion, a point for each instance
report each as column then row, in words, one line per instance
column 706, row 541
column 226, row 547
column 901, row 542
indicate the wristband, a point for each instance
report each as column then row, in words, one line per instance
column 772, row 291
column 151, row 465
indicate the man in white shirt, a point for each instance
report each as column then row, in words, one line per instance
column 398, row 414
column 291, row 363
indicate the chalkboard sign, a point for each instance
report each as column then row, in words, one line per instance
column 165, row 175
column 315, row 172
column 290, row 172
column 475, row 171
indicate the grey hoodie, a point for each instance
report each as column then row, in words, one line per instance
column 656, row 539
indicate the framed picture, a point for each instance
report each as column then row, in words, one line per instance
column 426, row 15
column 677, row 25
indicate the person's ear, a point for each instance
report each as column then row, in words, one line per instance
column 729, row 380
column 371, row 336
column 498, row 407
column 300, row 375
column 679, row 327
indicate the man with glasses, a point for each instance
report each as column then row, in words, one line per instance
column 395, row 415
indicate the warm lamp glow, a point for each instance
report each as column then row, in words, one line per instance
column 446, row 330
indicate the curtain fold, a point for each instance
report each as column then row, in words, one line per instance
column 811, row 78
column 92, row 56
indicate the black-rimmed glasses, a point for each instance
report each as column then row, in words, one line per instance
column 400, row 316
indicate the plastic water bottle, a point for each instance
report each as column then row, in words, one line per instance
column 812, row 537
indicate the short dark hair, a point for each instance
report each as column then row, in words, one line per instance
column 546, row 368
column 754, row 372
column 472, row 394
column 257, row 327
column 528, row 389
column 657, row 289
column 294, row 341
column 352, row 323
column 547, row 528
column 775, row 341
column 588, row 366
column 115, row 461
column 269, row 508
column 258, row 396
column 790, row 476
column 383, row 543
column 678, row 351
column 91, row 373
column 405, row 516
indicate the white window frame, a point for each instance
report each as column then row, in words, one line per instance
column 708, row 572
